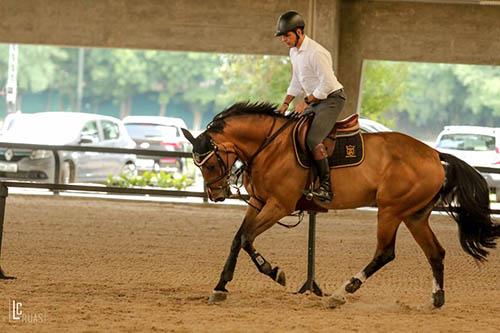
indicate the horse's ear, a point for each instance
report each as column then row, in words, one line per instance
column 188, row 135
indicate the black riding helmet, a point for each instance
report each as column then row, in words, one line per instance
column 289, row 21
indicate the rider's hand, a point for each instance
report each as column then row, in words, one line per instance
column 311, row 99
column 282, row 109
column 300, row 107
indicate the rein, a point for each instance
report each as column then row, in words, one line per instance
column 269, row 138
column 246, row 168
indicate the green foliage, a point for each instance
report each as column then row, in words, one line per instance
column 254, row 78
column 419, row 96
column 483, row 87
column 38, row 66
column 149, row 178
column 383, row 85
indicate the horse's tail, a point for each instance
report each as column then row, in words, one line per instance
column 466, row 199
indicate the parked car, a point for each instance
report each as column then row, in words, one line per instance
column 371, row 126
column 478, row 146
column 158, row 133
column 66, row 128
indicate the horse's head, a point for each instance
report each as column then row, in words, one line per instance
column 215, row 161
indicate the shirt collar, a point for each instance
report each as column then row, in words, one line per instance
column 305, row 44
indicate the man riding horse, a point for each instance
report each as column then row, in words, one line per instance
column 312, row 73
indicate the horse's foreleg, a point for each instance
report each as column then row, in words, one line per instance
column 267, row 217
column 220, row 291
column 230, row 265
column 386, row 239
column 434, row 252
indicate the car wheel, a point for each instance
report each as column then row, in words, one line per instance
column 156, row 167
column 67, row 173
column 179, row 164
column 129, row 169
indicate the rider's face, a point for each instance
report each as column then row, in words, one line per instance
column 289, row 39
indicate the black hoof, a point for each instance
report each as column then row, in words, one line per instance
column 279, row 276
column 5, row 277
column 438, row 298
column 353, row 285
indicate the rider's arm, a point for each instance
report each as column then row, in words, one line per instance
column 293, row 90
column 286, row 103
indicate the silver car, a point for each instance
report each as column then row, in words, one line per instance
column 65, row 128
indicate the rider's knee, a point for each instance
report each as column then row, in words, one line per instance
column 312, row 142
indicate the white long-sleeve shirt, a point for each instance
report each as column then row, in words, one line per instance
column 312, row 70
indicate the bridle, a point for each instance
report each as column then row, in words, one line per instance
column 225, row 171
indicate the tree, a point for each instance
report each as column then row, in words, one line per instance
column 116, row 75
column 37, row 67
column 254, row 78
column 192, row 76
column 483, row 87
column 384, row 83
column 446, row 94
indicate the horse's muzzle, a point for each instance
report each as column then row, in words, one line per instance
column 219, row 199
column 218, row 195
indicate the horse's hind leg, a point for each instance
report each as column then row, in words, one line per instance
column 419, row 227
column 386, row 238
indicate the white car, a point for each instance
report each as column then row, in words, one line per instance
column 476, row 145
column 371, row 126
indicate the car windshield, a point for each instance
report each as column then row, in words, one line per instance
column 49, row 130
column 145, row 131
column 473, row 142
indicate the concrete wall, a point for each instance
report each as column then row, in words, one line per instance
column 446, row 33
column 238, row 26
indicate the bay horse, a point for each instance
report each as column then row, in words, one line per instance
column 402, row 176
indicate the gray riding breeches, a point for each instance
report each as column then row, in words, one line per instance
column 326, row 113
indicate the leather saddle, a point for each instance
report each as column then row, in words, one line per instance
column 344, row 144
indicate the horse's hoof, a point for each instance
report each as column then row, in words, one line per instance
column 281, row 278
column 438, row 298
column 335, row 301
column 217, row 296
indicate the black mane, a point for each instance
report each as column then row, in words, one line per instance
column 243, row 108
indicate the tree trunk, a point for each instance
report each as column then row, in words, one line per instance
column 126, row 107
column 163, row 109
column 49, row 100
column 197, row 120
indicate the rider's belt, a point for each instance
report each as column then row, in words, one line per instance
column 335, row 93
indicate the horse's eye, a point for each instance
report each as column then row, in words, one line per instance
column 210, row 168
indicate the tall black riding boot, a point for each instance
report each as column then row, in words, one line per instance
column 323, row 192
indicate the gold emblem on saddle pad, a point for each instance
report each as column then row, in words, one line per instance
column 350, row 151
